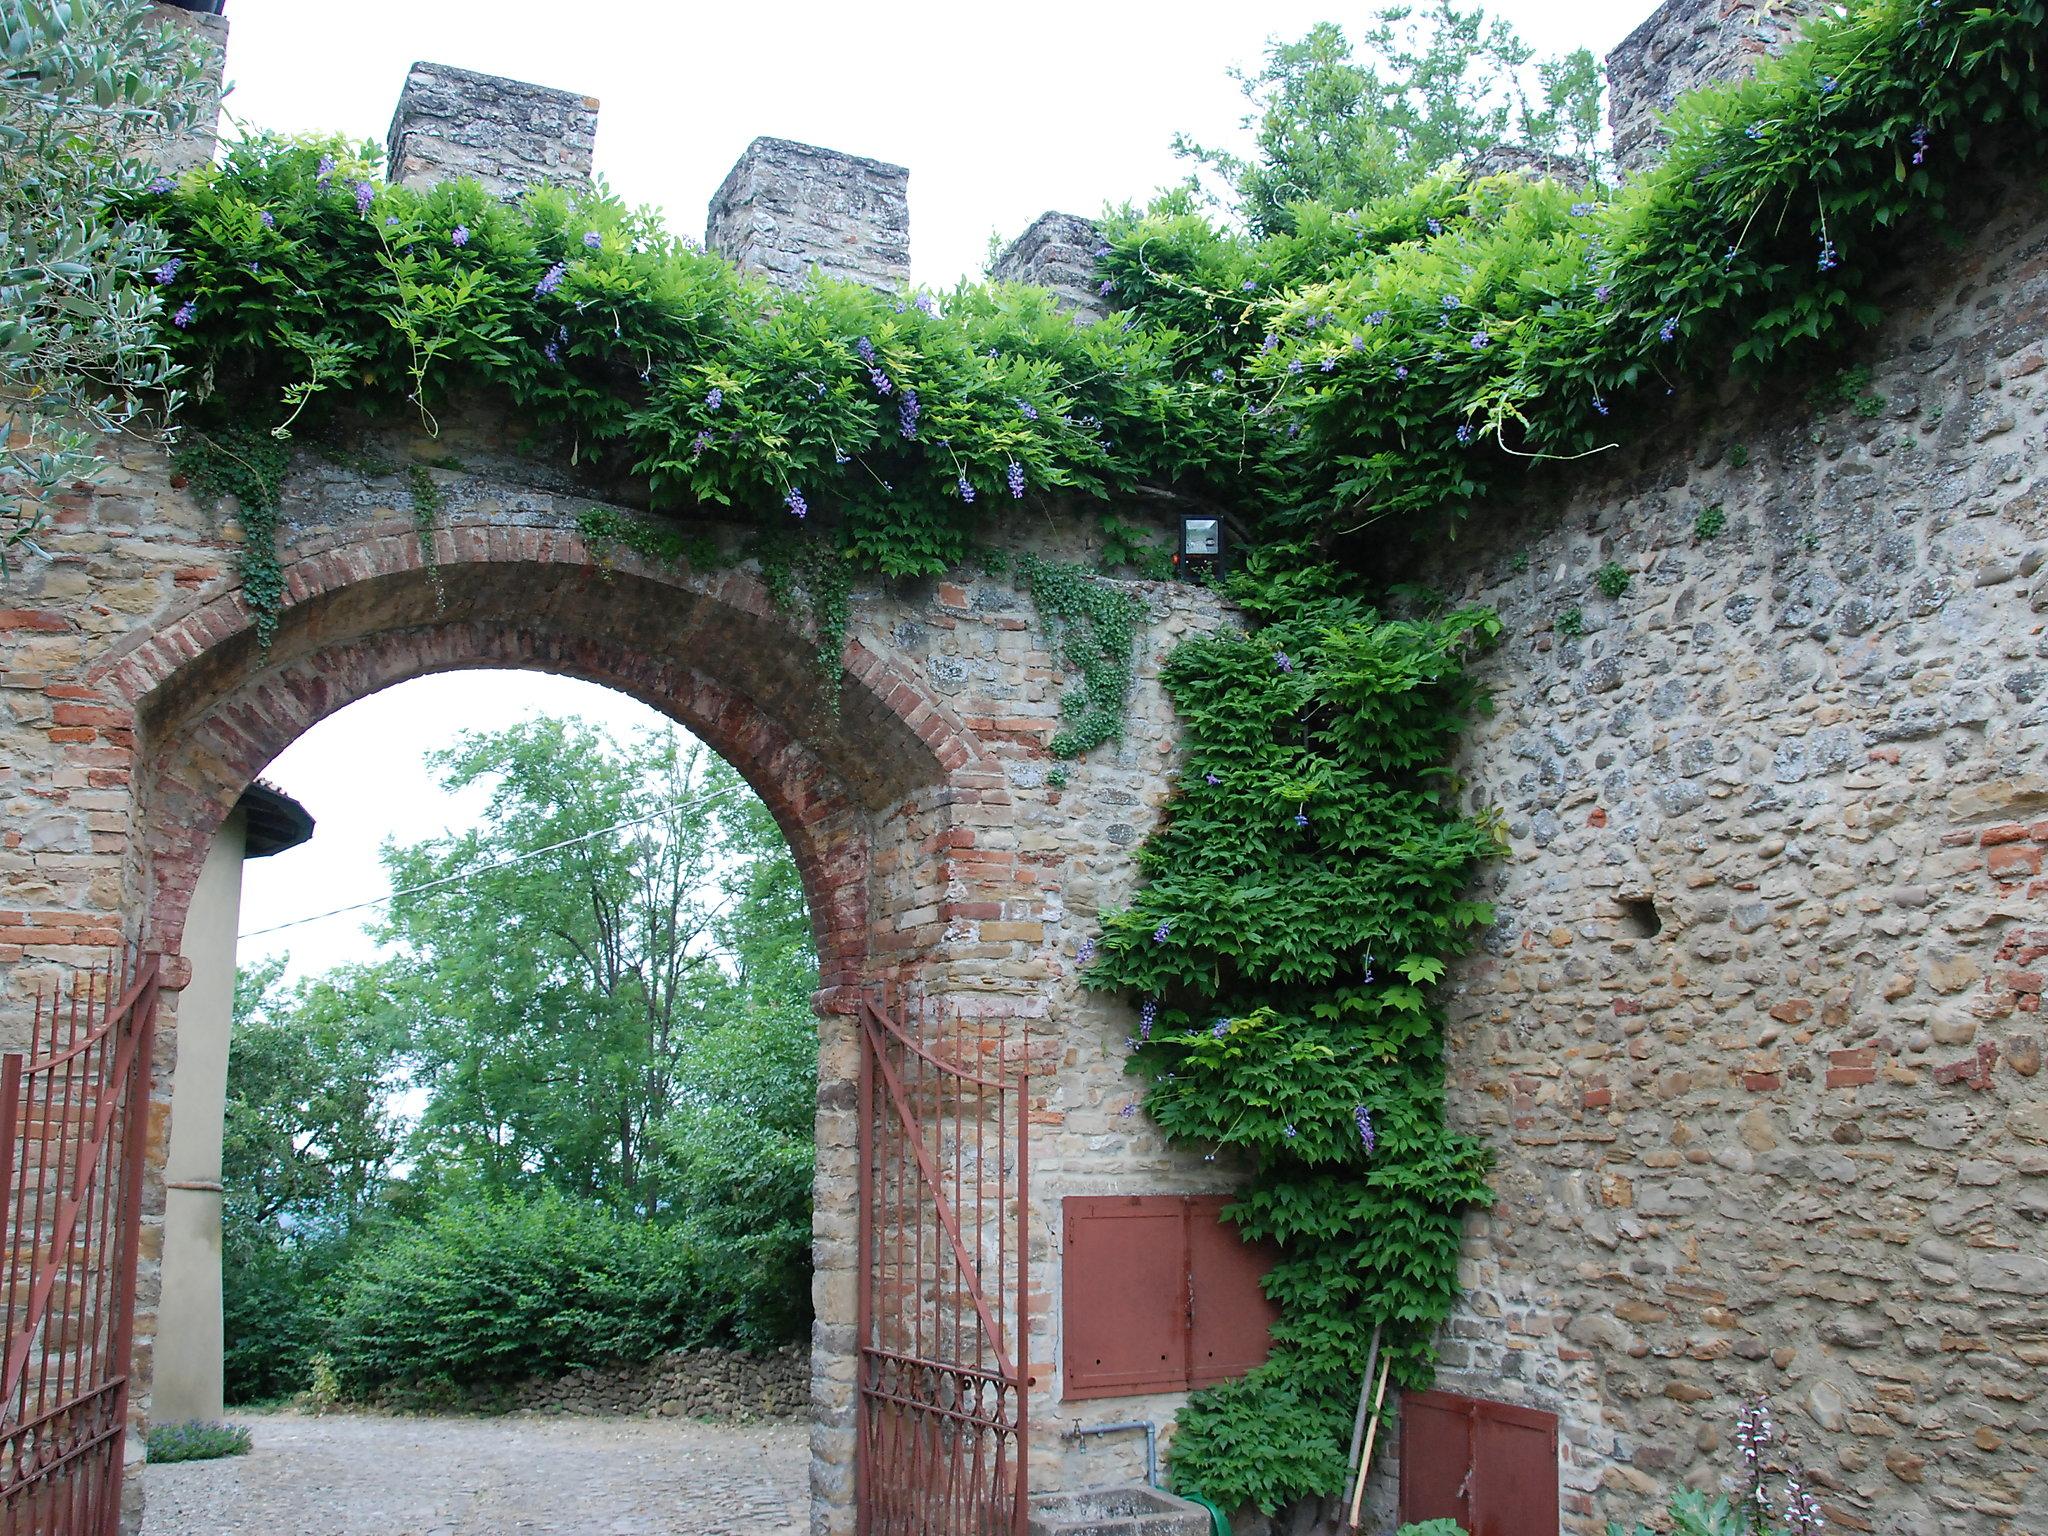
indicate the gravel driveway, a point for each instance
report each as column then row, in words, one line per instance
column 373, row 1475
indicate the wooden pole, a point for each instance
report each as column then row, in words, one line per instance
column 1371, row 1434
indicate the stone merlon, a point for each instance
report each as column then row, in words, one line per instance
column 1684, row 45
column 787, row 208
column 1056, row 252
column 508, row 134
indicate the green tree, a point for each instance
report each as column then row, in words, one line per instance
column 1424, row 89
column 87, row 89
column 559, row 958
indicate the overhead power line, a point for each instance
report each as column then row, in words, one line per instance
column 517, row 858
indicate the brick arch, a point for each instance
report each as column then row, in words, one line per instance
column 212, row 708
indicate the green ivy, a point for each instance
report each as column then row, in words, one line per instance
column 1094, row 627
column 249, row 465
column 1305, row 894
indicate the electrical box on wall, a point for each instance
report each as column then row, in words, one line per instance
column 1159, row 1294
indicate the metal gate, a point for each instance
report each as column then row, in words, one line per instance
column 945, row 1268
column 74, row 1114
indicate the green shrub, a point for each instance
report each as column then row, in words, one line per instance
column 1612, row 578
column 1571, row 623
column 196, row 1440
column 1432, row 1528
column 276, row 1301
column 496, row 1291
column 1710, row 523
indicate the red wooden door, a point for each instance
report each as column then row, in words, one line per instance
column 1491, row 1467
column 1230, row 1319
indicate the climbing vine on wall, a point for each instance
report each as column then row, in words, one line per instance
column 1304, row 895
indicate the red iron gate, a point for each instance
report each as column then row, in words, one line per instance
column 945, row 1270
column 74, row 1113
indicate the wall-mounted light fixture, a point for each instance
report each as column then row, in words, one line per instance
column 1200, row 556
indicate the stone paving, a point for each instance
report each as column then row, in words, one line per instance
column 522, row 1475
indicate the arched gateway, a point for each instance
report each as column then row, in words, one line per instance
column 949, row 878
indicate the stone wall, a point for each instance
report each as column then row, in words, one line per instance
column 787, row 209
column 1057, row 252
column 685, row 1383
column 508, row 134
column 1757, row 1037
column 1686, row 44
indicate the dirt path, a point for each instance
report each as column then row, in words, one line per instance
column 371, row 1475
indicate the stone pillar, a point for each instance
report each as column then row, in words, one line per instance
column 1057, row 252
column 1686, row 44
column 787, row 208
column 189, row 1337
column 195, row 144
column 507, row 134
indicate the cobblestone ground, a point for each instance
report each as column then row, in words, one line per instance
column 524, row 1475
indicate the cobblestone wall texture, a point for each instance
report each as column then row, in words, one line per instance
column 508, row 134
column 1795, row 1140
column 1057, row 252
column 1686, row 44
column 786, row 208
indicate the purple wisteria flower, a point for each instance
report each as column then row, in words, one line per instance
column 1451, row 301
column 1829, row 85
column 365, row 195
column 187, row 313
column 1465, row 433
column 1147, row 1017
column 268, row 218
column 1128, row 1110
column 1301, row 818
column 1294, row 366
column 1379, row 317
column 161, row 185
column 1283, row 661
column 1921, row 140
column 699, row 443
column 1481, row 341
column 1219, row 375
column 906, row 414
column 1251, row 285
column 1270, row 344
column 1358, row 343
column 1015, row 475
column 1086, row 952
column 1211, row 780
column 552, row 351
column 167, row 274
column 714, row 397
column 966, row 489
column 798, row 507
column 866, row 349
column 1362, row 1118
column 1219, row 1029
column 1603, row 293
column 1668, row 329
column 1289, row 1132
column 1162, row 933
column 1027, row 410
column 1436, row 226
column 551, row 279
column 1829, row 257
column 1108, row 286
column 459, row 236
column 1754, row 132
column 839, row 456
column 1401, row 370
column 592, row 240
column 884, row 385
column 1580, row 210
column 324, row 172
column 1600, row 405
column 926, row 304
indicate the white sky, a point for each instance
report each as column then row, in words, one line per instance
column 1000, row 112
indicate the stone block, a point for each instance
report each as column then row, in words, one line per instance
column 1686, row 44
column 1057, row 252
column 786, row 209
column 508, row 134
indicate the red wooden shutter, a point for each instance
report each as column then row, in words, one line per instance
column 1491, row 1467
column 1125, row 1320
column 1232, row 1319
column 1514, row 1461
